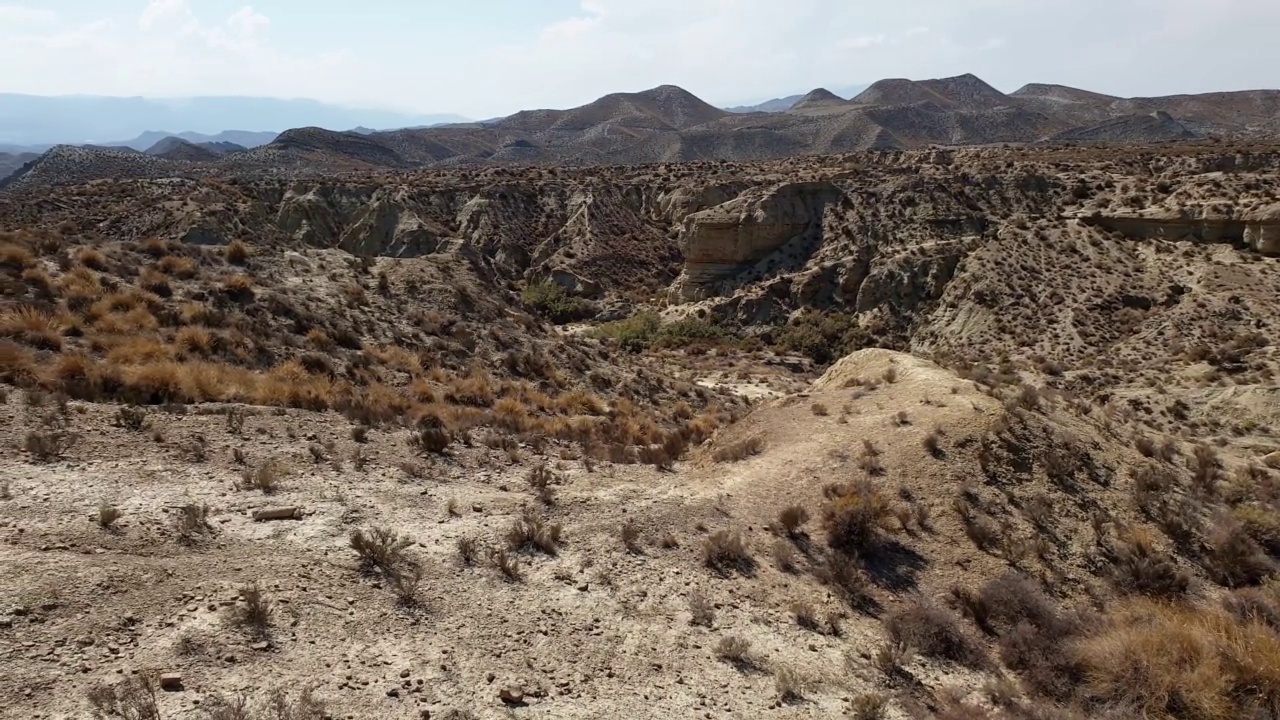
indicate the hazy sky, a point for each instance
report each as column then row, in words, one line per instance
column 484, row 58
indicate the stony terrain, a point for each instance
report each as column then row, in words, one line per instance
column 966, row 433
column 668, row 124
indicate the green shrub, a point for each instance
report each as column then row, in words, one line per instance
column 549, row 299
column 824, row 337
column 645, row 330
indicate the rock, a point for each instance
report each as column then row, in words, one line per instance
column 171, row 682
column 404, row 673
column 511, row 695
column 261, row 646
column 393, row 692
column 278, row 513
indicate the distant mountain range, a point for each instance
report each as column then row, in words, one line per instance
column 784, row 104
column 36, row 122
column 668, row 124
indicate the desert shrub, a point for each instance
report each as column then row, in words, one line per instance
column 236, row 253
column 253, row 612
column 847, row 581
column 132, row 418
column 734, row 649
column 701, row 611
column 1262, row 523
column 823, row 336
column 380, row 549
column 549, row 299
column 405, row 582
column 1176, row 661
column 740, row 450
column 265, row 477
column 806, row 617
column 506, row 563
column 32, row 326
column 192, row 522
column 634, row 333
column 1032, row 633
column 430, row 440
column 530, row 532
column 868, row 706
column 1138, row 566
column 934, row 631
column 1232, row 557
column 784, row 556
column 792, row 518
column 630, row 534
column 790, row 685
column 853, row 518
column 132, row 699
column 276, row 705
column 468, row 550
column 108, row 514
column 725, row 551
column 1260, row 603
column 49, row 445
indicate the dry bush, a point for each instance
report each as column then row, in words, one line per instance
column 740, row 450
column 1250, row 604
column 405, row 582
column 735, row 649
column 506, row 563
column 630, row 534
column 784, row 557
column 932, row 443
column 819, row 409
column 806, row 616
column 668, row 541
column 936, row 632
column 531, row 533
column 132, row 418
column 1262, row 523
column 701, row 611
column 192, row 522
column 91, row 258
column 266, row 477
column 33, row 327
column 1138, row 566
column 468, row 550
column 49, row 445
column 236, row 253
column 792, row 518
column 790, row 685
column 541, row 479
column 892, row 656
column 1172, row 661
column 854, row 517
column 254, row 612
column 108, row 514
column 1032, row 633
column 380, row 549
column 1232, row 557
column 725, row 552
column 430, row 440
column 132, row 699
column 847, row 580
column 275, row 706
column 869, row 706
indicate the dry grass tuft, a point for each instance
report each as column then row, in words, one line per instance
column 935, row 632
column 855, row 516
column 380, row 549
column 740, row 450
column 108, row 514
column 725, row 552
column 530, row 532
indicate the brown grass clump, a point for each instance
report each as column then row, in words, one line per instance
column 108, row 514
column 15, row 257
column 238, row 287
column 32, row 327
column 178, row 267
column 1138, row 566
column 1171, row 661
column 1234, row 559
column 254, row 612
column 91, row 258
column 701, row 611
column 236, row 253
column 735, row 649
column 133, row 698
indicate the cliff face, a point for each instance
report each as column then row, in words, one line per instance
column 1259, row 230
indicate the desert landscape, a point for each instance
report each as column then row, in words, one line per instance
column 977, row 426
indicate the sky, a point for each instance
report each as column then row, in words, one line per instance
column 486, row 58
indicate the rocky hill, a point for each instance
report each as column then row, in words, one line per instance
column 668, row 124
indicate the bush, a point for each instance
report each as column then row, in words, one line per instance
column 824, row 337
column 1233, row 558
column 254, row 612
column 431, row 440
column 724, row 551
column 48, row 445
column 549, row 299
column 792, row 518
column 701, row 612
column 132, row 418
column 380, row 549
column 934, row 631
column 1175, row 661
column 1139, row 567
column 132, row 699
column 108, row 514
column 740, row 450
column 734, row 649
column 530, row 532
column 854, row 516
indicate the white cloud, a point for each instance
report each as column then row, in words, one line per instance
column 159, row 10
column 21, row 17
column 248, row 21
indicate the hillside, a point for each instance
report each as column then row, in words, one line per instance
column 953, row 434
column 668, row 124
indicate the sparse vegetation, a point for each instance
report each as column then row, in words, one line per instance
column 725, row 551
column 380, row 549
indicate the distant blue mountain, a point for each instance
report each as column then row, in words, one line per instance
column 35, row 120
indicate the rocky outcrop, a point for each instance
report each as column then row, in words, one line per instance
column 725, row 241
column 1259, row 229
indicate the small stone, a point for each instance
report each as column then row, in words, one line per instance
column 20, row 611
column 404, row 673
column 393, row 692
column 489, row 677
column 262, row 645
column 6, row 621
column 584, row 587
column 171, row 682
column 512, row 695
